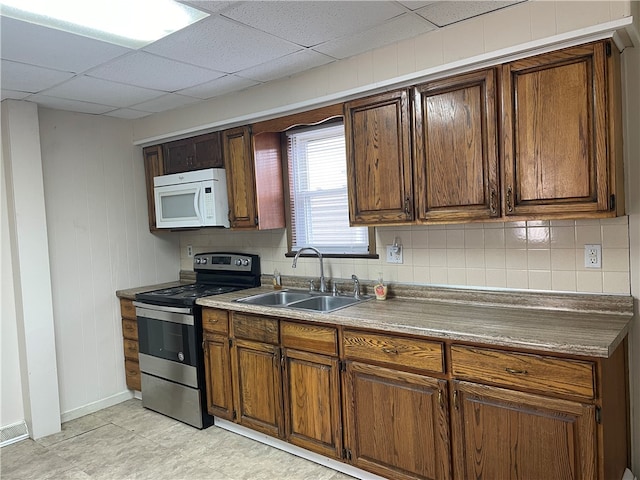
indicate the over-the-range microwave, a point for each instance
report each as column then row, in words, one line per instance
column 192, row 199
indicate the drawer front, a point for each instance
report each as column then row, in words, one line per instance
column 131, row 349
column 398, row 351
column 313, row 338
column 132, row 375
column 214, row 320
column 519, row 370
column 127, row 310
column 254, row 327
column 130, row 329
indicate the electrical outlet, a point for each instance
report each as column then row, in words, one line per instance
column 593, row 256
column 394, row 254
column 189, row 251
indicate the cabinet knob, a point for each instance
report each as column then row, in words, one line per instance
column 514, row 371
column 390, row 350
column 492, row 203
column 510, row 199
column 407, row 202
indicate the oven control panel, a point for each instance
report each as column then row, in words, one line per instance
column 233, row 262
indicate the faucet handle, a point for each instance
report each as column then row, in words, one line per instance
column 312, row 286
column 334, row 290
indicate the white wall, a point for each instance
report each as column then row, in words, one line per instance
column 99, row 242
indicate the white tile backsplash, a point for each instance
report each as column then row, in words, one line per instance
column 538, row 255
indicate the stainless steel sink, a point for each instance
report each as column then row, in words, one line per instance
column 317, row 302
column 282, row 297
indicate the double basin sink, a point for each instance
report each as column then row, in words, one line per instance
column 300, row 299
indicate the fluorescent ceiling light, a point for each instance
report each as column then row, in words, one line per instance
column 130, row 23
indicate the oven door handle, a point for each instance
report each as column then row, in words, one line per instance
column 181, row 315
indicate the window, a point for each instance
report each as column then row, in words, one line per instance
column 318, row 198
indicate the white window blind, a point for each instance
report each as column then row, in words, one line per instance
column 318, row 193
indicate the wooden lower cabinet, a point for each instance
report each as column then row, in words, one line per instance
column 130, row 344
column 217, row 365
column 312, row 402
column 257, row 386
column 397, row 422
column 505, row 434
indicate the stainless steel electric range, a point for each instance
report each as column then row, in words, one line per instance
column 170, row 335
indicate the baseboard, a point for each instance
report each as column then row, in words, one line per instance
column 95, row 406
column 295, row 450
column 13, row 433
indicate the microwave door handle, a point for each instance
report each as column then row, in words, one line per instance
column 196, row 203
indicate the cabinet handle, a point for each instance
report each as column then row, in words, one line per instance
column 510, row 199
column 455, row 400
column 440, row 399
column 390, row 350
column 492, row 202
column 514, row 371
column 406, row 206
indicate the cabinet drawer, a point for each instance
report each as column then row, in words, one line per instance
column 526, row 371
column 214, row 320
column 127, row 310
column 399, row 351
column 130, row 329
column 132, row 375
column 254, row 327
column 131, row 349
column 314, row 338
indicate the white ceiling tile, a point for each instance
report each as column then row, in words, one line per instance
column 220, row 86
column 285, row 66
column 213, row 6
column 128, row 113
column 87, row 89
column 221, row 45
column 168, row 75
column 448, row 12
column 415, row 4
column 46, row 47
column 13, row 95
column 309, row 23
column 29, row 78
column 166, row 102
column 70, row 105
column 400, row 28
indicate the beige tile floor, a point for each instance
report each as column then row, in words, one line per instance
column 127, row 441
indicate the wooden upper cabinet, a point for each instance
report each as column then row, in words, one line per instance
column 562, row 153
column 254, row 179
column 378, row 139
column 195, row 153
column 455, row 148
column 153, row 167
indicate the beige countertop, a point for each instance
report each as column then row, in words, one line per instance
column 572, row 324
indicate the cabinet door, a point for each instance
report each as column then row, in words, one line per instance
column 456, row 155
column 257, row 386
column 178, row 156
column 377, row 131
column 241, row 187
column 207, row 151
column 312, row 402
column 397, row 423
column 153, row 167
column 500, row 433
column 555, row 133
column 217, row 367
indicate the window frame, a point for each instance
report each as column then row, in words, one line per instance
column 287, row 200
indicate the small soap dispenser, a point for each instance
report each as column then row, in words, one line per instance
column 277, row 282
column 380, row 289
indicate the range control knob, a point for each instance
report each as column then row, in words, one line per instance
column 197, row 260
column 204, row 261
column 238, row 262
column 245, row 262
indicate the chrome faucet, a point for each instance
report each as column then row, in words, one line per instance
column 323, row 282
column 356, row 287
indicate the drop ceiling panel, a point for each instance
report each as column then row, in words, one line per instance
column 220, row 86
column 95, row 90
column 222, row 45
column 446, row 13
column 127, row 113
column 285, row 66
column 168, row 75
column 46, row 47
column 306, row 22
column 13, row 95
column 395, row 30
column 29, row 78
column 70, row 105
column 165, row 102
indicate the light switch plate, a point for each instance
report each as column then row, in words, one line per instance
column 189, row 251
column 593, row 256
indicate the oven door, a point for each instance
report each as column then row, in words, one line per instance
column 167, row 333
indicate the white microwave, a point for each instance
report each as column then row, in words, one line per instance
column 192, row 199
